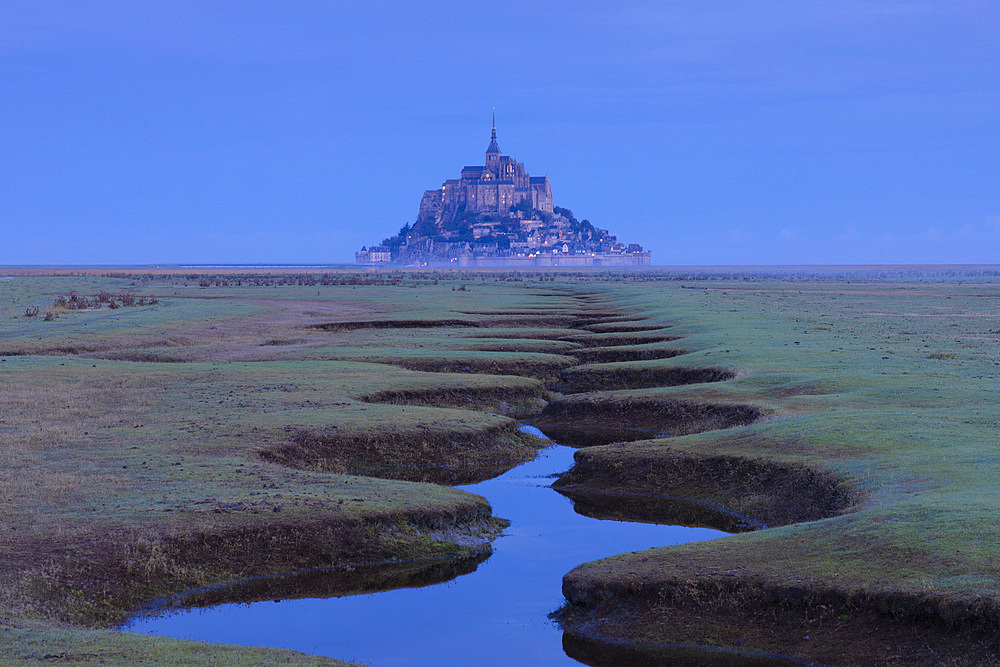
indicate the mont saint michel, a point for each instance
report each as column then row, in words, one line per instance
column 496, row 214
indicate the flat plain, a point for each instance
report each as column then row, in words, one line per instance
column 237, row 425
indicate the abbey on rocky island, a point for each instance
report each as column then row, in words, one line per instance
column 496, row 215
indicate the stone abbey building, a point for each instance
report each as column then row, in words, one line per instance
column 495, row 187
column 496, row 215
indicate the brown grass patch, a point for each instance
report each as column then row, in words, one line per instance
column 624, row 327
column 413, row 454
column 773, row 493
column 739, row 615
column 500, row 398
column 603, row 355
column 666, row 416
column 393, row 324
column 617, row 340
column 597, row 378
column 544, row 369
column 666, row 510
column 98, row 579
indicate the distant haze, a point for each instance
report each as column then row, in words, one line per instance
column 711, row 132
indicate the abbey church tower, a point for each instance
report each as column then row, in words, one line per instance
column 491, row 188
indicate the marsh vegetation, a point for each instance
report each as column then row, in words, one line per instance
column 249, row 425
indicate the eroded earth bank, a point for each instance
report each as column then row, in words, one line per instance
column 253, row 425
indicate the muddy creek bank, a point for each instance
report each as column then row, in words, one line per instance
column 498, row 611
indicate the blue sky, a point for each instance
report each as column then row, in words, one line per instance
column 712, row 132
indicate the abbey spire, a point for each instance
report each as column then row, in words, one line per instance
column 493, row 152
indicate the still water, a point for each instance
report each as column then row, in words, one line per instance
column 495, row 615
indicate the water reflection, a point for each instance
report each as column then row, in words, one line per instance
column 664, row 510
column 325, row 583
column 592, row 436
column 597, row 653
column 498, row 615
column 442, row 474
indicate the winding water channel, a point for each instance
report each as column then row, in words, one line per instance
column 496, row 614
